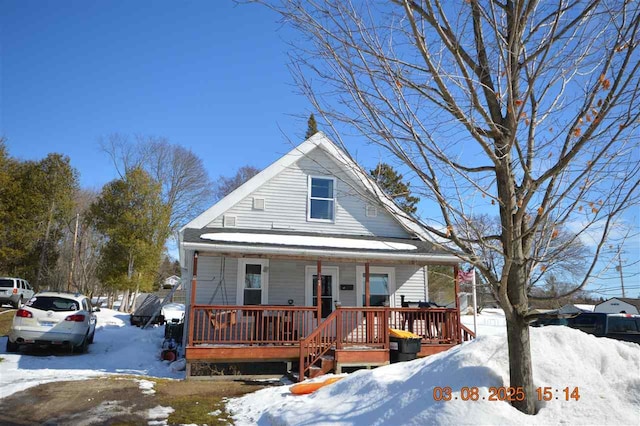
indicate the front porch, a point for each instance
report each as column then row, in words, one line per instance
column 319, row 309
column 348, row 337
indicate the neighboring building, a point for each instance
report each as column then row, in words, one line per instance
column 172, row 281
column 618, row 305
column 311, row 223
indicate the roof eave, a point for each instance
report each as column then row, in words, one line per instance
column 325, row 253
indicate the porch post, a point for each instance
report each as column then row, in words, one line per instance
column 367, row 292
column 192, row 301
column 456, row 280
column 319, row 291
column 367, row 303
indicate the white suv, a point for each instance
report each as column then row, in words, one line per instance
column 53, row 318
column 14, row 291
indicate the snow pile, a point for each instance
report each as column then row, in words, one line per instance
column 606, row 373
column 118, row 348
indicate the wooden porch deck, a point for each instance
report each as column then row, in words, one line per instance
column 351, row 336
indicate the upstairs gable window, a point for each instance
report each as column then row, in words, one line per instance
column 322, row 199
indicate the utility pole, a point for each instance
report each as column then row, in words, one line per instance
column 73, row 253
column 619, row 268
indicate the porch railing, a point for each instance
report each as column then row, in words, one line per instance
column 467, row 333
column 349, row 327
column 259, row 324
column 362, row 326
column 318, row 343
column 433, row 325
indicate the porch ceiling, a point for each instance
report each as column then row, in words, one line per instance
column 300, row 245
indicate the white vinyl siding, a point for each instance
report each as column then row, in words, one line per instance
column 287, row 281
column 286, row 197
column 410, row 281
column 210, row 278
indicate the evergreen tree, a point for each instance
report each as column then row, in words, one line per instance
column 135, row 221
column 35, row 204
column 391, row 183
column 312, row 127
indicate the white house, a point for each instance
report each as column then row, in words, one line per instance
column 311, row 223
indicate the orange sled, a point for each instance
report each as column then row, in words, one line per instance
column 307, row 388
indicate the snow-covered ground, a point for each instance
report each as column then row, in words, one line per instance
column 605, row 372
column 119, row 348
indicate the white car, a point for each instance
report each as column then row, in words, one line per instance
column 14, row 291
column 53, row 318
column 173, row 312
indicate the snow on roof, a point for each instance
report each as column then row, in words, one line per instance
column 306, row 241
column 588, row 308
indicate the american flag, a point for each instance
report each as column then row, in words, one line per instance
column 466, row 276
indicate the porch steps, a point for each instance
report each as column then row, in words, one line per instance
column 327, row 364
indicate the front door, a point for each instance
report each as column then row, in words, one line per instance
column 329, row 288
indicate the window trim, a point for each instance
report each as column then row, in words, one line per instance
column 391, row 273
column 334, row 199
column 264, row 297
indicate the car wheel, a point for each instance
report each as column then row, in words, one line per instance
column 82, row 347
column 11, row 346
column 92, row 336
column 18, row 303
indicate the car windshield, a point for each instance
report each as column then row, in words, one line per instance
column 52, row 303
column 6, row 283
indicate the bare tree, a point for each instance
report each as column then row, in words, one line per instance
column 524, row 110
column 226, row 185
column 186, row 186
column 80, row 250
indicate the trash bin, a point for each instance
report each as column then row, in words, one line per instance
column 403, row 345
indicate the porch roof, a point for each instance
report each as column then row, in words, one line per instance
column 271, row 243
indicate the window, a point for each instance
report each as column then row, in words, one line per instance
column 322, row 199
column 378, row 289
column 382, row 285
column 50, row 303
column 252, row 282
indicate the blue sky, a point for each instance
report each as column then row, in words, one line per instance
column 206, row 75
column 209, row 75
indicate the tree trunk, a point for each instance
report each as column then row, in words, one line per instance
column 124, row 305
column 520, row 371
column 45, row 246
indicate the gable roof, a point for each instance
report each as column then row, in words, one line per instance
column 319, row 140
column 633, row 302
